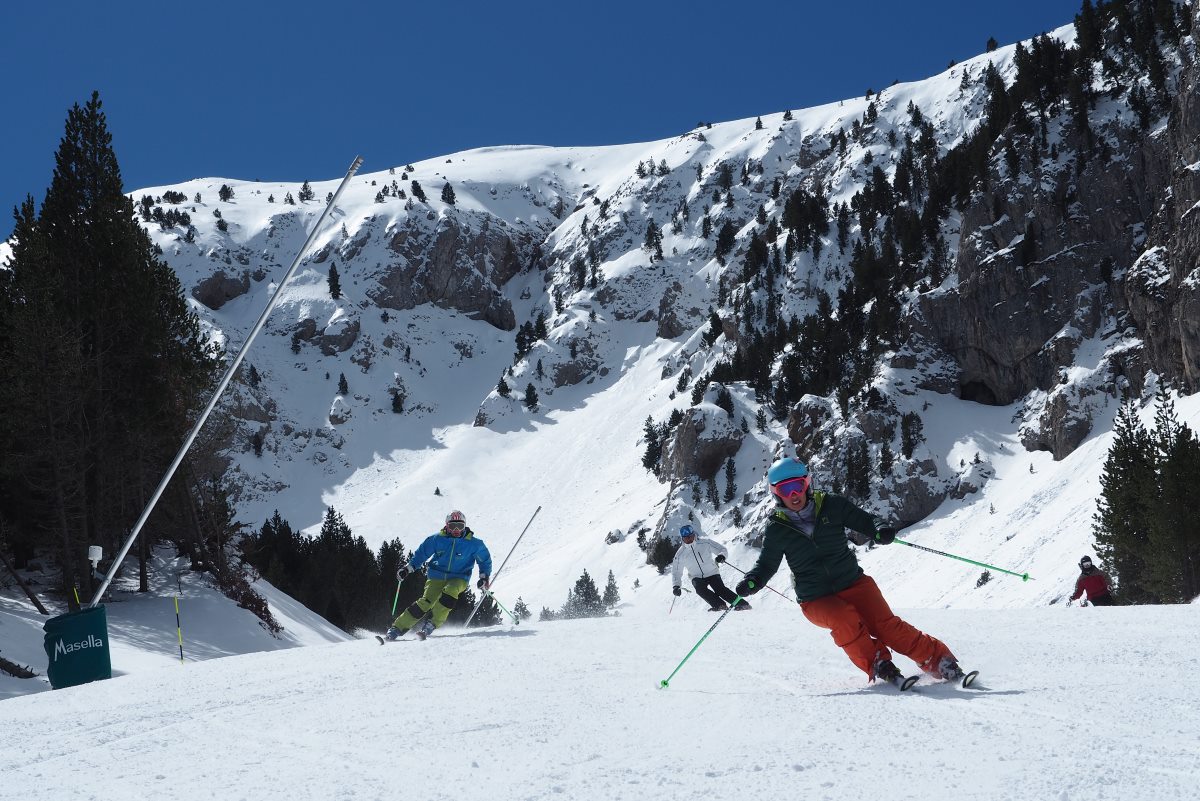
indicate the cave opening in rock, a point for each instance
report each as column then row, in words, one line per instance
column 978, row 392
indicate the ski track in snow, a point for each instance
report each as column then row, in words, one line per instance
column 1079, row 703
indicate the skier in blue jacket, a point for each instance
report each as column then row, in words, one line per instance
column 452, row 554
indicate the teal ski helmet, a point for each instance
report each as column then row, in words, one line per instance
column 788, row 467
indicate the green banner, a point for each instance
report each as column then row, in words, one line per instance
column 77, row 645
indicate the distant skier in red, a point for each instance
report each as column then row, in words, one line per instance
column 1093, row 581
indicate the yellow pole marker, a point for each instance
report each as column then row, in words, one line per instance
column 179, row 629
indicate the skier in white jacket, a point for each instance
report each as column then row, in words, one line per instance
column 702, row 556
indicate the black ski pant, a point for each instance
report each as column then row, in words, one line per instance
column 713, row 590
column 1102, row 600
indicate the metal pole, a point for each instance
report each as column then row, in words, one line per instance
column 233, row 366
column 768, row 586
column 496, row 575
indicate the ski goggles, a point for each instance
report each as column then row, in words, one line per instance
column 792, row 486
column 455, row 526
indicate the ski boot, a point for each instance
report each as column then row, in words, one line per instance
column 394, row 634
column 425, row 629
column 887, row 671
column 949, row 670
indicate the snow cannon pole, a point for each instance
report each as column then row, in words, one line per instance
column 768, row 586
column 496, row 575
column 224, row 382
column 1022, row 576
column 662, row 685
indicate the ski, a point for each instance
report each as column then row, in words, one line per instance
column 903, row 683
column 969, row 679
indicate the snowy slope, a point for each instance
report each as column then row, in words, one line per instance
column 143, row 636
column 1079, row 704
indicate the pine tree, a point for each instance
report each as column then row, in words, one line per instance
column 343, row 387
column 612, row 596
column 418, row 192
column 653, row 453
column 101, row 361
column 225, row 193
column 335, row 284
column 306, row 193
column 531, row 397
column 521, row 610
column 1121, row 525
column 502, row 388
column 730, row 480
column 448, row 194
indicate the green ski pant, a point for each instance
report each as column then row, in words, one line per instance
column 439, row 598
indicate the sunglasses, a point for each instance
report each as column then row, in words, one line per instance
column 792, row 486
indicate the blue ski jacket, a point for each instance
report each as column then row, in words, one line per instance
column 452, row 557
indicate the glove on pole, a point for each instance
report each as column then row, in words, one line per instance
column 667, row 681
column 1022, row 576
column 768, row 586
column 496, row 575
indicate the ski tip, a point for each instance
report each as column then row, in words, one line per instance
column 969, row 679
column 907, row 683
column 379, row 638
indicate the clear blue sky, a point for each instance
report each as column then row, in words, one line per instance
column 294, row 90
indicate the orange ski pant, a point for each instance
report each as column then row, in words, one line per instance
column 864, row 626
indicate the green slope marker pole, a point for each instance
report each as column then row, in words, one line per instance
column 179, row 629
column 667, row 681
column 1021, row 576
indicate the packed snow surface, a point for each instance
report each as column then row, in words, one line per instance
column 1078, row 703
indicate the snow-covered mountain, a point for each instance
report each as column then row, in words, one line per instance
column 434, row 294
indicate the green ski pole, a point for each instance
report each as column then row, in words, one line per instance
column 397, row 598
column 667, row 681
column 516, row 620
column 1022, row 576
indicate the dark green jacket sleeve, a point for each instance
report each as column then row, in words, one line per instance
column 768, row 560
column 855, row 519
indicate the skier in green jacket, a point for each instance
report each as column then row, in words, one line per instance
column 809, row 530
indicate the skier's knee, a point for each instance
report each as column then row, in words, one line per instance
column 447, row 600
column 416, row 611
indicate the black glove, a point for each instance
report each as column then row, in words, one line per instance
column 402, row 572
column 676, row 591
column 720, row 558
column 745, row 587
column 483, row 583
column 885, row 536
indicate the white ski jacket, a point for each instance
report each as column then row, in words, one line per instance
column 699, row 558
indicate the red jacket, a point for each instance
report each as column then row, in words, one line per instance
column 1094, row 584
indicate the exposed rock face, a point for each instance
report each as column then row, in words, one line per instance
column 1014, row 297
column 584, row 364
column 913, row 494
column 451, row 266
column 1184, row 145
column 220, row 288
column 339, row 336
column 703, row 441
column 669, row 324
